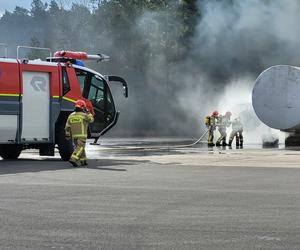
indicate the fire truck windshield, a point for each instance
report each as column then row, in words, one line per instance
column 81, row 76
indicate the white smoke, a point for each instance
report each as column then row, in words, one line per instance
column 246, row 36
column 232, row 45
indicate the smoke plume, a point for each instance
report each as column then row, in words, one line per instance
column 233, row 43
column 171, row 86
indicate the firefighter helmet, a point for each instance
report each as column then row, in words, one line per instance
column 80, row 104
column 228, row 113
column 215, row 113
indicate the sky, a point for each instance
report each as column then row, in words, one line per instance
column 11, row 4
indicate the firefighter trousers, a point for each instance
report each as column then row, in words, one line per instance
column 210, row 138
column 239, row 139
column 222, row 138
column 79, row 151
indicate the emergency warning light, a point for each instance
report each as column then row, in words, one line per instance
column 79, row 63
column 75, row 56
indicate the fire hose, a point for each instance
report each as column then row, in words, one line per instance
column 192, row 144
column 175, row 146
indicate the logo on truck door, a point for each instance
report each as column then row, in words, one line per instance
column 39, row 83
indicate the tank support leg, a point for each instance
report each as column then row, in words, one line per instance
column 293, row 140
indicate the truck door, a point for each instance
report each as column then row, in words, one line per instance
column 96, row 89
column 104, row 108
column 35, row 106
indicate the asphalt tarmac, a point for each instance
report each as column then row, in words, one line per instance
column 150, row 194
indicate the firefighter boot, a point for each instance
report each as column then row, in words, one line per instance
column 73, row 162
column 224, row 144
column 218, row 144
column 83, row 163
column 210, row 144
column 230, row 143
column 237, row 141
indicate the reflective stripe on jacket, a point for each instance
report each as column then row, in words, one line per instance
column 77, row 124
column 213, row 121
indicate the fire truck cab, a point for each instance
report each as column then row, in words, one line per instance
column 36, row 98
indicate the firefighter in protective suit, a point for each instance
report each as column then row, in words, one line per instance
column 211, row 123
column 76, row 128
column 224, row 122
column 237, row 132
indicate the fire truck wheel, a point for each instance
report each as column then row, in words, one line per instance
column 10, row 152
column 65, row 147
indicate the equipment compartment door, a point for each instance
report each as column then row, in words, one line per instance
column 35, row 106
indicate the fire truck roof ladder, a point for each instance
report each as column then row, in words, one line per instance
column 36, row 48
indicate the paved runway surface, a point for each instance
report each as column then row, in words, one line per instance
column 136, row 196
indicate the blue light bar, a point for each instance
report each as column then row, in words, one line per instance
column 79, row 63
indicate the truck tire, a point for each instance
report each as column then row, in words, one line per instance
column 10, row 152
column 65, row 147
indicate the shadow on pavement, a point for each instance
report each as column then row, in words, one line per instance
column 49, row 164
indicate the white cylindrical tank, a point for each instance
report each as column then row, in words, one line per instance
column 276, row 97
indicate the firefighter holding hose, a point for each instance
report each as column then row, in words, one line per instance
column 76, row 128
column 224, row 122
column 211, row 123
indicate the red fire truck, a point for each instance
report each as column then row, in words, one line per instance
column 37, row 96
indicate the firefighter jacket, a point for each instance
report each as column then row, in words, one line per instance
column 224, row 121
column 237, row 126
column 211, row 121
column 77, row 124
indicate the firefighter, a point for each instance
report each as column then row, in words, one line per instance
column 224, row 122
column 211, row 123
column 76, row 128
column 237, row 132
